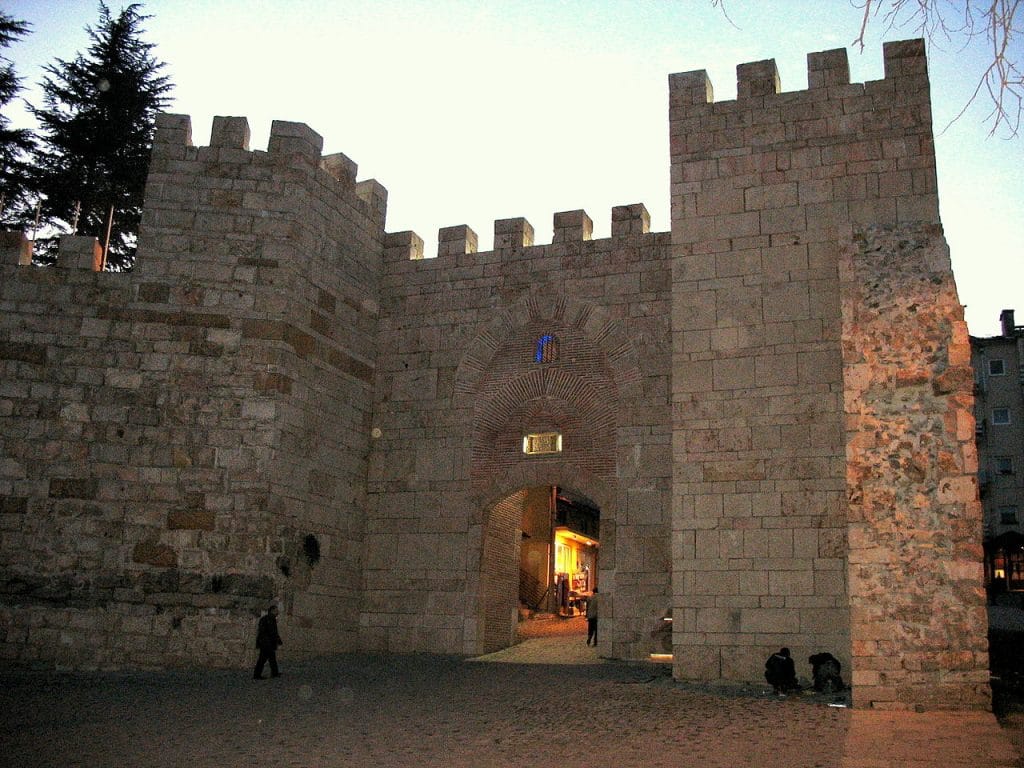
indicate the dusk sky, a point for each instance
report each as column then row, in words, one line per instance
column 473, row 111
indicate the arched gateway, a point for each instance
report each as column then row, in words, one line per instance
column 547, row 381
column 535, row 557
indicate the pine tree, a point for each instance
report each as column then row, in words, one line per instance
column 97, row 127
column 15, row 143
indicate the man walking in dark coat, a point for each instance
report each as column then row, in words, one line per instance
column 267, row 640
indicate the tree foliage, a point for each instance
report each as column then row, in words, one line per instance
column 96, row 123
column 15, row 143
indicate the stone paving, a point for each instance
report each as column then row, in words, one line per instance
column 428, row 710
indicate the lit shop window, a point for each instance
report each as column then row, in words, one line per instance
column 546, row 350
column 541, row 443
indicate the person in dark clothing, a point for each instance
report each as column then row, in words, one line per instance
column 827, row 672
column 593, row 610
column 267, row 640
column 780, row 672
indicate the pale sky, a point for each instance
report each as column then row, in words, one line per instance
column 474, row 111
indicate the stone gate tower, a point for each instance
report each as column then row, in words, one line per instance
column 770, row 406
column 823, row 490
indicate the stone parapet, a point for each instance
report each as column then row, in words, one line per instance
column 78, row 252
column 572, row 226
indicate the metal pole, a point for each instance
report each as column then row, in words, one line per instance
column 106, row 245
column 35, row 224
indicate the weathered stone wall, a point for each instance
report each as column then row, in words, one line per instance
column 458, row 387
column 767, row 190
column 915, row 559
column 206, row 414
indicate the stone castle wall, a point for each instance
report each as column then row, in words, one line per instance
column 282, row 402
column 172, row 436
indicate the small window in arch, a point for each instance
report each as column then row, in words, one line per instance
column 546, row 350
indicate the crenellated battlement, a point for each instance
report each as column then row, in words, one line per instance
column 295, row 143
column 905, row 66
column 517, row 233
column 73, row 252
column 771, row 162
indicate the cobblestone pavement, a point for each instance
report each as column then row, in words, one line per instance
column 550, row 625
column 425, row 710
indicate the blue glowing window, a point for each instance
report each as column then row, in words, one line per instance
column 546, row 350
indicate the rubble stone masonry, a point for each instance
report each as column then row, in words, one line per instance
column 770, row 405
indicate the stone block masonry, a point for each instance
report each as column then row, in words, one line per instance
column 186, row 443
column 770, row 405
column 769, row 192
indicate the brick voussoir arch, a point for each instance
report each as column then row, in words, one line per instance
column 607, row 333
column 595, row 403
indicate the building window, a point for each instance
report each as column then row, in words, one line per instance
column 1000, row 416
column 996, row 368
column 1004, row 465
column 546, row 350
column 1008, row 515
column 541, row 443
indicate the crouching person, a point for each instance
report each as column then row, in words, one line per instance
column 780, row 672
column 827, row 673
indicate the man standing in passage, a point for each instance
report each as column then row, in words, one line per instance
column 267, row 640
column 593, row 607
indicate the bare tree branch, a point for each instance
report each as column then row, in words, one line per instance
column 720, row 4
column 992, row 20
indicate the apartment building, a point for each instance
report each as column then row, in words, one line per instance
column 998, row 363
